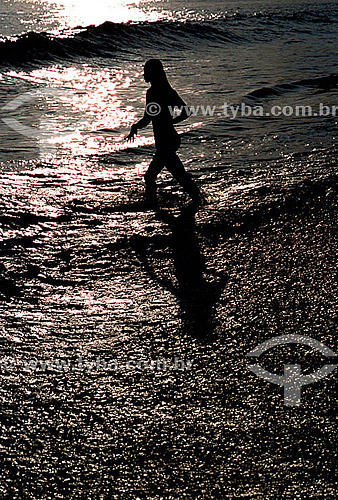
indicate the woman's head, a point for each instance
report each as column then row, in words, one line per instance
column 154, row 72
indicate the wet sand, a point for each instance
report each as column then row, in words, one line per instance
column 89, row 274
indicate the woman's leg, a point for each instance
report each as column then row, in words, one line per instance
column 176, row 168
column 154, row 169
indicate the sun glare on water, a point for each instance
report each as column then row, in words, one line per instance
column 88, row 12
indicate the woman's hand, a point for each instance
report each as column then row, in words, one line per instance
column 132, row 133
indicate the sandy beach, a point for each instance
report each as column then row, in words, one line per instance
column 78, row 286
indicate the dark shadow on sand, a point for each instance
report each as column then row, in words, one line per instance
column 196, row 295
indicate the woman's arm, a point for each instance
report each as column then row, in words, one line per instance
column 185, row 111
column 182, row 116
column 145, row 120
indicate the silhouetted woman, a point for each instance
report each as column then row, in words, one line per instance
column 160, row 103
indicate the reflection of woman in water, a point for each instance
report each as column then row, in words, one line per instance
column 161, row 100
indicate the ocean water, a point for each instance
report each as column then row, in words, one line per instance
column 258, row 53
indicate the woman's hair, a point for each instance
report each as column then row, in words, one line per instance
column 154, row 72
